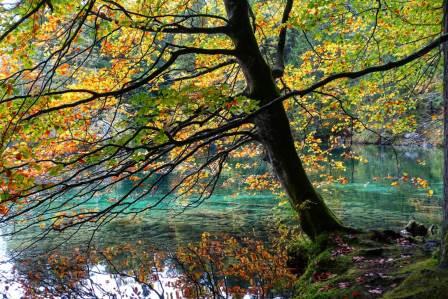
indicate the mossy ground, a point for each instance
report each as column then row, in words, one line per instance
column 367, row 265
column 424, row 280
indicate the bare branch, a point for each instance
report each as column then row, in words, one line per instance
column 279, row 67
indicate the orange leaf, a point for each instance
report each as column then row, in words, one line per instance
column 3, row 210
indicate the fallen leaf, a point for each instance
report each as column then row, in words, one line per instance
column 376, row 291
column 343, row 285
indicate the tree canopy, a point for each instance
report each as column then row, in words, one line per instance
column 93, row 93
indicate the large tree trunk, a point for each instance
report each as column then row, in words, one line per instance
column 444, row 247
column 273, row 126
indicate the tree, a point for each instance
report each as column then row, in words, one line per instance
column 444, row 247
column 99, row 92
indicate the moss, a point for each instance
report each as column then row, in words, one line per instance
column 329, row 294
column 444, row 247
column 419, row 266
column 319, row 260
column 325, row 273
column 309, row 248
column 325, row 262
column 302, row 250
column 425, row 280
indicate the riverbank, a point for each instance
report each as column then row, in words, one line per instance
column 428, row 134
column 368, row 265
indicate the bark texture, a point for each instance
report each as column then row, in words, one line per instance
column 444, row 246
column 273, row 126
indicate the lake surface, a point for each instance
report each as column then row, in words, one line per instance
column 368, row 199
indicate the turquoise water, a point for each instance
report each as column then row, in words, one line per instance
column 367, row 200
column 370, row 201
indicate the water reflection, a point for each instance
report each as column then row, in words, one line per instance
column 216, row 267
column 368, row 200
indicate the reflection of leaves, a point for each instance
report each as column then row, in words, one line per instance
column 246, row 261
column 3, row 210
column 343, row 180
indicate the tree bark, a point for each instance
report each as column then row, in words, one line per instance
column 273, row 127
column 444, row 243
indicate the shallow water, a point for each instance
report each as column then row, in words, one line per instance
column 367, row 200
column 370, row 201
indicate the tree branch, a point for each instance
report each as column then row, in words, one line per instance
column 175, row 28
column 279, row 67
column 153, row 75
column 354, row 75
column 22, row 19
column 180, row 29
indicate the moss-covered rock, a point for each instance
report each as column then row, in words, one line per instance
column 367, row 265
column 425, row 280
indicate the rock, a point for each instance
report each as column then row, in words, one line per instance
column 433, row 229
column 416, row 229
column 405, row 233
column 372, row 252
column 386, row 236
column 431, row 245
column 391, row 234
column 427, row 145
column 412, row 135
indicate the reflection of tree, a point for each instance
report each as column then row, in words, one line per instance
column 427, row 210
column 217, row 266
column 389, row 161
column 372, row 202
